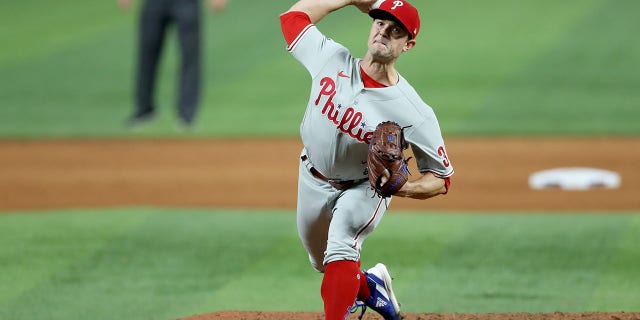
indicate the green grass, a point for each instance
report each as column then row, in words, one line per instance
column 493, row 68
column 151, row 263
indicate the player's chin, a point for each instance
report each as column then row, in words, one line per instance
column 380, row 55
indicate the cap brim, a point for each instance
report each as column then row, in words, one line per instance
column 386, row 15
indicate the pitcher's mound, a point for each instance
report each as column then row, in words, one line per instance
column 263, row 315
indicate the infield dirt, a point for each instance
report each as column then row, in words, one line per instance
column 491, row 175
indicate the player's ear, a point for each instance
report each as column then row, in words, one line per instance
column 409, row 45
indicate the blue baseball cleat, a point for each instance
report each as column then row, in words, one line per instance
column 382, row 299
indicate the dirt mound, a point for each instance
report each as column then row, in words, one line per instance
column 260, row 315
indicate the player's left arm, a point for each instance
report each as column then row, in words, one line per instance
column 425, row 187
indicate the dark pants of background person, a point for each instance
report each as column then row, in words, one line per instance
column 156, row 16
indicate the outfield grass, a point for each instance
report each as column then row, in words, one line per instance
column 492, row 67
column 151, row 263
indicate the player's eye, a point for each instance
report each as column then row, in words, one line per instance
column 398, row 32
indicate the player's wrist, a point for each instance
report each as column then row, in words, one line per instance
column 376, row 4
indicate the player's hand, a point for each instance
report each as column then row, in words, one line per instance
column 365, row 5
column 218, row 5
column 385, row 177
column 124, row 4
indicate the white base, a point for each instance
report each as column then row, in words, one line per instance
column 574, row 178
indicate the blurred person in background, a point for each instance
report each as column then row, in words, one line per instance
column 156, row 16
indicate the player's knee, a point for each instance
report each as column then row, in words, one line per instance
column 337, row 251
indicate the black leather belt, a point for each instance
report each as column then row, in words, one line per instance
column 340, row 185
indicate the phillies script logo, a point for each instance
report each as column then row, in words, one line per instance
column 351, row 122
column 397, row 4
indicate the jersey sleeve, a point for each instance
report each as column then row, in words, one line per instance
column 306, row 43
column 429, row 149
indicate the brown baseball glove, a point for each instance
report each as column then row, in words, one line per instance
column 385, row 153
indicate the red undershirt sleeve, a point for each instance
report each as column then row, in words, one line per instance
column 447, row 183
column 292, row 24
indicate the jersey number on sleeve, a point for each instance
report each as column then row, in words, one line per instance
column 443, row 154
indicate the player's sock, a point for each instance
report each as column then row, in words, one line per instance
column 340, row 286
column 363, row 293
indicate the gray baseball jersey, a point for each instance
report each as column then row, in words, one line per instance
column 337, row 126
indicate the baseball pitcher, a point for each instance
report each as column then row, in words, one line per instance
column 339, row 204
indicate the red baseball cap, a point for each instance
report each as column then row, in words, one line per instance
column 402, row 11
